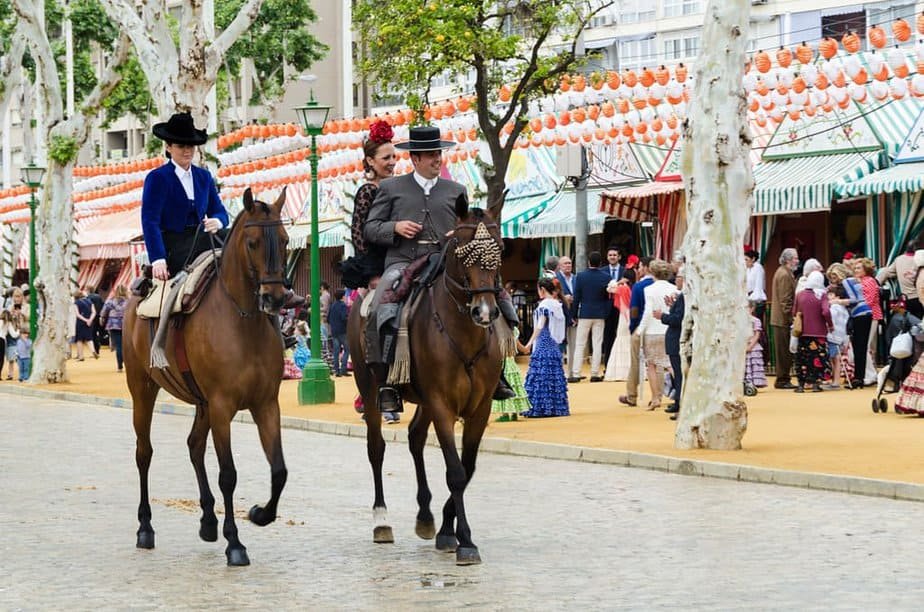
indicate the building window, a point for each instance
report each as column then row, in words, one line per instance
column 681, row 47
column 836, row 25
column 676, row 8
column 636, row 11
column 635, row 54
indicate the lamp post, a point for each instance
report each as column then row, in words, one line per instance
column 316, row 385
column 32, row 175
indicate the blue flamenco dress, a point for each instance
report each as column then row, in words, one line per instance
column 545, row 384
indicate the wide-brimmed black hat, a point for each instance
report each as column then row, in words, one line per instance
column 180, row 129
column 425, row 138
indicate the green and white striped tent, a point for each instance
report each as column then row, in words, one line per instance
column 807, row 184
column 331, row 233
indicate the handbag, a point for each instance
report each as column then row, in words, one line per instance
column 901, row 347
column 797, row 324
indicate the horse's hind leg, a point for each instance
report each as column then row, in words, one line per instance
column 375, row 449
column 267, row 420
column 144, row 393
column 417, row 439
column 227, row 481
column 208, row 524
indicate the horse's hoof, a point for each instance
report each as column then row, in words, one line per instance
column 467, row 556
column 425, row 529
column 145, row 540
column 259, row 516
column 237, row 557
column 383, row 535
column 446, row 543
column 208, row 531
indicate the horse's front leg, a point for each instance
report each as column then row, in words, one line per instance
column 144, row 393
column 454, row 510
column 417, row 439
column 267, row 419
column 227, row 481
column 208, row 524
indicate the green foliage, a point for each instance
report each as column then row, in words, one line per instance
column 62, row 150
column 131, row 96
column 279, row 36
column 154, row 146
column 524, row 44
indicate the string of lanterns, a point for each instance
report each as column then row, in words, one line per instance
column 609, row 108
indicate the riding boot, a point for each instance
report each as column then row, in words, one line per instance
column 503, row 390
column 293, row 300
column 507, row 308
column 389, row 398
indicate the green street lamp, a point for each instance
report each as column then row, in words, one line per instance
column 316, row 385
column 31, row 176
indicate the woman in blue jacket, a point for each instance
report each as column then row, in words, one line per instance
column 177, row 198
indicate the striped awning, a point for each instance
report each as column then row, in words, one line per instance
column 636, row 203
column 108, row 236
column 650, row 157
column 807, row 184
column 520, row 211
column 558, row 218
column 901, row 178
column 331, row 233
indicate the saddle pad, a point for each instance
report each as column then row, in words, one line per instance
column 150, row 307
column 366, row 305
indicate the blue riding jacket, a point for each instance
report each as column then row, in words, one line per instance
column 165, row 207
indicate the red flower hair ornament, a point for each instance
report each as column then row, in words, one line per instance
column 380, row 132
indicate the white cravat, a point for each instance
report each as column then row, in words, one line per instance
column 186, row 180
column 425, row 183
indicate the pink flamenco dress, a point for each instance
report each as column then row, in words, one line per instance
column 911, row 397
column 617, row 367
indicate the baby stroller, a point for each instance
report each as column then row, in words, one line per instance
column 902, row 354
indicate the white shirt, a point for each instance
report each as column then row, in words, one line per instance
column 757, row 283
column 654, row 300
column 186, row 180
column 569, row 281
column 425, row 183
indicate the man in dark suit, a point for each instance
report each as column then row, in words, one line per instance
column 412, row 216
column 674, row 321
column 616, row 271
column 177, row 198
column 592, row 304
column 566, row 279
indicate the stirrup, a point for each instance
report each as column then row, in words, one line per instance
column 389, row 399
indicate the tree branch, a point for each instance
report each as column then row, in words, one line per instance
column 47, row 70
column 238, row 26
column 11, row 73
column 149, row 35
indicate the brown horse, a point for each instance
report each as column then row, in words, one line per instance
column 456, row 362
column 235, row 355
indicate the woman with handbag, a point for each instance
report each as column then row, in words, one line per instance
column 859, row 323
column 811, row 306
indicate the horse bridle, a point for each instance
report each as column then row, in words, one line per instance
column 266, row 225
column 486, row 261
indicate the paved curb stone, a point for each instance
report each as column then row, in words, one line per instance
column 527, row 448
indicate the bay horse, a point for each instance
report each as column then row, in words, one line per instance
column 456, row 362
column 235, row 357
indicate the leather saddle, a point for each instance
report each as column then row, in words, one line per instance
column 420, row 273
column 193, row 287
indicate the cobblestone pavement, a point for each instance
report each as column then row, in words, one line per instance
column 552, row 534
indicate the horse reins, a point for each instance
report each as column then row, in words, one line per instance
column 272, row 260
column 486, row 258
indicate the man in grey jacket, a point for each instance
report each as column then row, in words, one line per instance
column 412, row 216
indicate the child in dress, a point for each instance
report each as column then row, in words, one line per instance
column 508, row 409
column 837, row 337
column 546, row 386
column 754, row 361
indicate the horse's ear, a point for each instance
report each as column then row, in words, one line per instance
column 248, row 200
column 462, row 205
column 281, row 200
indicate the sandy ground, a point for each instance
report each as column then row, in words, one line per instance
column 833, row 432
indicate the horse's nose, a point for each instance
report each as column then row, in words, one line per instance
column 475, row 313
column 495, row 313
